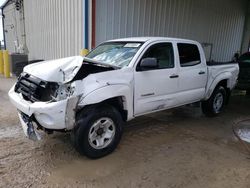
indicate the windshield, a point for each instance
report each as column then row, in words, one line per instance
column 115, row 53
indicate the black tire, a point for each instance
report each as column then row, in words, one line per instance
column 86, row 120
column 208, row 107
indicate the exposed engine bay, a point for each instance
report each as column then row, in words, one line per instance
column 34, row 89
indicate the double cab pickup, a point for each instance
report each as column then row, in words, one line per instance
column 119, row 80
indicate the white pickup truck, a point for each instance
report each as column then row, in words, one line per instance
column 117, row 81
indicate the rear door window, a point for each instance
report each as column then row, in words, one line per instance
column 189, row 54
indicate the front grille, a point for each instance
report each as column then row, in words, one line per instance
column 34, row 89
column 30, row 87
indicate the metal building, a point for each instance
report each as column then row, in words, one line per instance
column 60, row 28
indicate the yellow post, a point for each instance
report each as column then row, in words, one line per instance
column 1, row 62
column 6, row 63
column 84, row 52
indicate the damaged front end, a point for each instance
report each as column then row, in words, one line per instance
column 50, row 100
column 41, row 94
column 48, row 105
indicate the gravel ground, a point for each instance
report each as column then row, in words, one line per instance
column 175, row 148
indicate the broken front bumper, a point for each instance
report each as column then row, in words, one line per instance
column 58, row 115
column 28, row 127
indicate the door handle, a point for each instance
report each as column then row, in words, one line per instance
column 174, row 76
column 202, row 72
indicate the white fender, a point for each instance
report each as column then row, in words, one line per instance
column 108, row 92
column 222, row 76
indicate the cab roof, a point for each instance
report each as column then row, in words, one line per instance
column 150, row 39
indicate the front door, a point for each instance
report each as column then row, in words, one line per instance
column 156, row 88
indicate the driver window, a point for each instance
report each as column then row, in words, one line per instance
column 164, row 54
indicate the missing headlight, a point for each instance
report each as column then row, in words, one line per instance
column 63, row 92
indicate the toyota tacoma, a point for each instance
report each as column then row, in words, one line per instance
column 119, row 80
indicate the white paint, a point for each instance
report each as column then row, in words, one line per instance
column 142, row 92
column 50, row 115
column 192, row 85
column 60, row 70
column 221, row 72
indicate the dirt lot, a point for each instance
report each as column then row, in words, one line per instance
column 177, row 148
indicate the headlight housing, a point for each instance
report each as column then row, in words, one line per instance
column 64, row 91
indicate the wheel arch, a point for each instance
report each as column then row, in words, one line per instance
column 119, row 96
column 226, row 85
column 119, row 103
column 224, row 80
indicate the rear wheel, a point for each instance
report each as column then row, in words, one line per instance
column 98, row 131
column 215, row 104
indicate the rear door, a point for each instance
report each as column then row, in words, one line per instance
column 192, row 73
column 156, row 88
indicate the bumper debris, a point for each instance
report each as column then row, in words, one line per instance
column 28, row 127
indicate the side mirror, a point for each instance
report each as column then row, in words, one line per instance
column 148, row 64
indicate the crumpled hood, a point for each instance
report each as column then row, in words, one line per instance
column 59, row 70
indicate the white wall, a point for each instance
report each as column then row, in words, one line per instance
column 12, row 27
column 54, row 28
column 219, row 22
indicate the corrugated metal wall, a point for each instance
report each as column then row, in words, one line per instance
column 54, row 28
column 218, row 22
column 246, row 38
column 12, row 27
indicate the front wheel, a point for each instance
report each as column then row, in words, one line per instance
column 98, row 131
column 215, row 104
